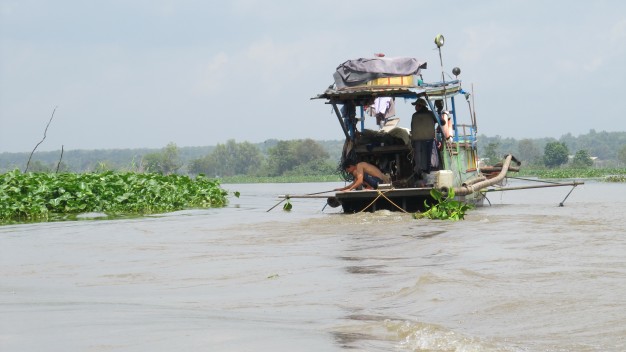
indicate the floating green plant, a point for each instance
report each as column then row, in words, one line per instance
column 615, row 178
column 38, row 196
column 445, row 208
column 287, row 206
column 569, row 173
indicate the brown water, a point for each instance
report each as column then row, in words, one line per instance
column 520, row 275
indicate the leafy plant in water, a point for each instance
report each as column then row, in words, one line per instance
column 38, row 196
column 446, row 208
column 615, row 178
column 568, row 173
column 287, row 206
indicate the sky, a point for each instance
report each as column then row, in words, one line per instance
column 144, row 73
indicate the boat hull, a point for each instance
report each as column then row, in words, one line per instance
column 410, row 200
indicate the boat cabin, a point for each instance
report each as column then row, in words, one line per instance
column 414, row 154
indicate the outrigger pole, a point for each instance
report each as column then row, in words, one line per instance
column 275, row 205
column 570, row 192
column 573, row 184
column 480, row 185
column 309, row 195
column 501, row 189
column 555, row 184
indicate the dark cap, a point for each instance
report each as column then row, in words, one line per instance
column 420, row 101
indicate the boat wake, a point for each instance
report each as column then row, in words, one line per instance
column 431, row 337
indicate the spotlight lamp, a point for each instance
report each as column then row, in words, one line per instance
column 439, row 39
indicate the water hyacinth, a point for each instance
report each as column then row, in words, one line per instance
column 445, row 207
column 37, row 196
column 615, row 178
column 570, row 173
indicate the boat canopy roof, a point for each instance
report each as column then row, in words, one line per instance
column 364, row 94
column 360, row 81
column 359, row 71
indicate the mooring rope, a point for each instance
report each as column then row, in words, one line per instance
column 375, row 199
column 390, row 201
column 382, row 194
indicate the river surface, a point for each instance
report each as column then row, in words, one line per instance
column 520, row 275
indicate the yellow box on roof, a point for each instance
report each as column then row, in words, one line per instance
column 392, row 81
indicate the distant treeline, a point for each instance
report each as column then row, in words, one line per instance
column 307, row 157
column 606, row 149
column 270, row 158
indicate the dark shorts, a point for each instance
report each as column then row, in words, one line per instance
column 371, row 180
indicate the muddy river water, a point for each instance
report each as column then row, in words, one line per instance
column 520, row 275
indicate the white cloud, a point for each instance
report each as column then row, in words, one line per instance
column 277, row 65
column 486, row 42
column 214, row 74
column 263, row 62
column 594, row 64
column 266, row 55
column 580, row 65
column 618, row 32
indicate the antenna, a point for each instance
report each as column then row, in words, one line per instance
column 439, row 40
column 474, row 110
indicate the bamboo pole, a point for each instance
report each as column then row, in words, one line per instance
column 575, row 183
column 287, row 196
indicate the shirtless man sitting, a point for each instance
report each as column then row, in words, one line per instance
column 364, row 174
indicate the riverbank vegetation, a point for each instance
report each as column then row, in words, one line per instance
column 164, row 181
column 309, row 160
column 55, row 196
column 601, row 174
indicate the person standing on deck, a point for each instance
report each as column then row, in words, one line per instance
column 446, row 120
column 422, row 138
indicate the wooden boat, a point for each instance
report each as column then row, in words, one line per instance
column 398, row 152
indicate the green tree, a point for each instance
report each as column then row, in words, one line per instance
column 39, row 166
column 62, row 167
column 621, row 155
column 313, row 168
column 555, row 154
column 491, row 152
column 103, row 166
column 281, row 158
column 165, row 162
column 223, row 159
column 151, row 162
column 289, row 155
column 528, row 152
column 309, row 150
column 201, row 166
column 249, row 159
column 582, row 160
column 229, row 159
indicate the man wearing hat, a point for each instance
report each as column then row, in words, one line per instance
column 422, row 138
